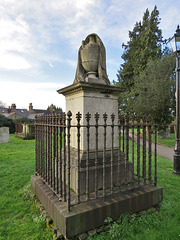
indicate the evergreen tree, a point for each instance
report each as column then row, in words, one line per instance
column 144, row 44
column 59, row 109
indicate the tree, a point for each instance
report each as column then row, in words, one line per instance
column 52, row 106
column 7, row 122
column 144, row 45
column 154, row 90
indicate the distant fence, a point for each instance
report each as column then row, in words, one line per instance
column 123, row 156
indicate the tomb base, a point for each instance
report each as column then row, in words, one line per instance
column 89, row 215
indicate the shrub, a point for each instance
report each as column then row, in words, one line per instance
column 7, row 122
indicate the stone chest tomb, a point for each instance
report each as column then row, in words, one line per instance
column 84, row 172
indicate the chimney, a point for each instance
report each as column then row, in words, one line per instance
column 30, row 108
column 13, row 106
column 51, row 109
column 8, row 110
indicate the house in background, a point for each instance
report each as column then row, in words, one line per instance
column 37, row 112
column 15, row 113
column 25, row 129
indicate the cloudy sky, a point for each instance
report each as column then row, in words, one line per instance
column 39, row 42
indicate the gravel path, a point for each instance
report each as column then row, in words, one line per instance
column 161, row 150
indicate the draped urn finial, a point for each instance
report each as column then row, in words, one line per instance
column 90, row 57
column 91, row 65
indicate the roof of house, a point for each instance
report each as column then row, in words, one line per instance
column 41, row 111
column 24, row 113
column 19, row 112
column 33, row 115
column 8, row 114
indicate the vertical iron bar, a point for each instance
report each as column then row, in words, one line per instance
column 126, row 138
column 138, row 148
column 39, row 143
column 126, row 147
column 96, row 116
column 155, row 158
column 36, row 144
column 112, row 149
column 46, row 149
column 39, row 149
column 123, row 136
column 88, row 116
column 54, row 152
column 119, row 150
column 144, row 149
column 51, row 160
column 57, row 157
column 69, row 114
column 49, row 150
column 42, row 147
column 132, row 125
column 78, row 117
column 64, row 138
column 60, row 154
column 104, row 156
column 150, row 152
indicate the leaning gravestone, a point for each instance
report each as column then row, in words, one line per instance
column 4, row 135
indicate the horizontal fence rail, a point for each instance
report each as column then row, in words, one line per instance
column 95, row 157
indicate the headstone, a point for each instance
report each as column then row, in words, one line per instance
column 164, row 134
column 4, row 135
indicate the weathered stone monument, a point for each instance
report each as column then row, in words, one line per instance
column 91, row 65
column 89, row 172
column 4, row 134
column 92, row 93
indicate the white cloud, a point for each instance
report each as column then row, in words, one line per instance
column 37, row 32
column 13, row 62
column 35, row 27
column 14, row 40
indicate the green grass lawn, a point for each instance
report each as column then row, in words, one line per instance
column 19, row 218
column 167, row 142
column 163, row 224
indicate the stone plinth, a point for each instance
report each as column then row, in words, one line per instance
column 85, row 97
column 4, row 135
column 90, row 215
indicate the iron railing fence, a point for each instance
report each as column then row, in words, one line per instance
column 123, row 157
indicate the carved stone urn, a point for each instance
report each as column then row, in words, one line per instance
column 90, row 57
